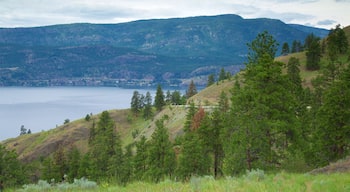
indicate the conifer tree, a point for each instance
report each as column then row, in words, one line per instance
column 161, row 157
column 140, row 160
column 313, row 52
column 333, row 131
column 211, row 80
column 73, row 164
column 194, row 157
column 12, row 171
column 222, row 75
column 260, row 128
column 136, row 103
column 159, row 101
column 192, row 90
column 285, row 49
column 147, row 111
column 103, row 147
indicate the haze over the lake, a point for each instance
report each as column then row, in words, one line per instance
column 29, row 13
column 47, row 107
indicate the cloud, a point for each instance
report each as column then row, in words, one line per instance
column 326, row 22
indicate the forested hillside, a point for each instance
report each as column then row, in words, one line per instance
column 262, row 119
column 135, row 54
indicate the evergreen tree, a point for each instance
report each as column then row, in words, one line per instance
column 116, row 162
column 140, row 160
column 176, row 98
column 260, row 128
column 12, row 171
column 23, row 130
column 84, row 166
column 333, row 131
column 136, row 103
column 192, row 90
column 189, row 116
column 285, row 49
column 211, row 80
column 161, row 158
column 103, row 147
column 147, row 111
column 263, row 44
column 222, row 75
column 168, row 97
column 293, row 75
column 159, row 101
column 313, row 52
column 337, row 43
column 194, row 157
column 296, row 47
column 73, row 163
column 60, row 167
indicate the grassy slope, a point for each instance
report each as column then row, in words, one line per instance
column 76, row 133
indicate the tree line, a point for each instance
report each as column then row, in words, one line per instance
column 269, row 121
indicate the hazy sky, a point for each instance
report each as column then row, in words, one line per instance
column 25, row 13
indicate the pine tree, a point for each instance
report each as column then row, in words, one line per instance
column 313, row 52
column 136, row 103
column 211, row 80
column 161, row 158
column 192, row 90
column 159, row 101
column 337, row 43
column 222, row 75
column 260, row 128
column 333, row 131
column 12, row 171
column 293, row 75
column 285, row 49
column 140, row 160
column 147, row 111
column 103, row 147
column 176, row 98
column 73, row 164
column 116, row 162
column 59, row 165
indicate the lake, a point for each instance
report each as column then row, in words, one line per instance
column 43, row 108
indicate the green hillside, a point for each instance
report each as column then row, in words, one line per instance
column 133, row 54
column 273, row 119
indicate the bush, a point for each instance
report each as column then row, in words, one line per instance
column 255, row 175
column 78, row 184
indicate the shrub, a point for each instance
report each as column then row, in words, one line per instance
column 255, row 175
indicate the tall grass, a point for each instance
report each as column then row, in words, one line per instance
column 254, row 181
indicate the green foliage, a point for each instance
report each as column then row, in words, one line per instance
column 161, row 157
column 12, row 171
column 136, row 103
column 211, row 80
column 337, row 43
column 78, row 184
column 285, row 49
column 191, row 90
column 296, row 46
column 147, row 111
column 87, row 117
column 103, row 147
column 313, row 52
column 140, row 161
column 159, row 101
column 263, row 44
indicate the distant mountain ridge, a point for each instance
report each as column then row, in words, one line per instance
column 139, row 53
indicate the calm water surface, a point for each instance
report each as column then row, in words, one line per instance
column 47, row 107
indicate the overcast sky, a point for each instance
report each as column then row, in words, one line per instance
column 28, row 13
